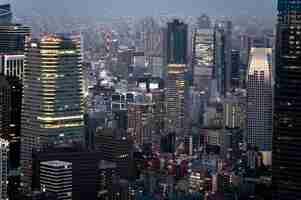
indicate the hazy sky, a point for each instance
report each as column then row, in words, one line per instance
column 99, row 8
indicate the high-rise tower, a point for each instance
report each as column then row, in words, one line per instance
column 287, row 107
column 177, row 33
column 52, row 108
column 222, row 56
column 259, row 99
column 202, row 46
column 5, row 14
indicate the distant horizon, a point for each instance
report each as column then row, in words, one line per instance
column 141, row 8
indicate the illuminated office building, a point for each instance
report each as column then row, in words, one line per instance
column 52, row 108
column 177, row 33
column 287, row 107
column 203, row 46
column 12, row 65
column 259, row 99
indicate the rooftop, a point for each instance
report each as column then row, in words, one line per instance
column 56, row 163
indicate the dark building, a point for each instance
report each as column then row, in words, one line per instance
column 36, row 195
column 235, row 72
column 11, row 100
column 5, row 14
column 177, row 36
column 84, row 168
column 115, row 146
column 168, row 143
column 120, row 119
column 107, row 177
column 287, row 107
column 222, row 56
column 13, row 37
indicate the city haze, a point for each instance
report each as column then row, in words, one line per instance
column 115, row 8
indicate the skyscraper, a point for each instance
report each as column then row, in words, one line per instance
column 287, row 107
column 52, row 108
column 5, row 14
column 177, row 33
column 177, row 37
column 259, row 99
column 222, row 56
column 12, row 46
column 235, row 69
column 203, row 46
column 3, row 168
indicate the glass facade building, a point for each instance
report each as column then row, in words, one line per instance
column 259, row 99
column 222, row 56
column 177, row 37
column 5, row 14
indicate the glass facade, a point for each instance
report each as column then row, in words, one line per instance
column 222, row 56
column 5, row 14
column 177, row 35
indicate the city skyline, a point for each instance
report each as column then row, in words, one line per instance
column 150, row 100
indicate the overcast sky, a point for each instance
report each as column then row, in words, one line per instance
column 99, row 8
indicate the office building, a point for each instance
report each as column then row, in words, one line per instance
column 177, row 37
column 56, row 177
column 84, row 168
column 10, row 116
column 159, row 109
column 259, row 99
column 203, row 54
column 107, row 177
column 13, row 38
column 222, row 56
column 140, row 122
column 177, row 33
column 287, row 107
column 203, row 44
column 52, row 108
column 235, row 69
column 168, row 143
column 116, row 146
column 4, row 149
column 12, row 65
column 234, row 112
column 246, row 43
